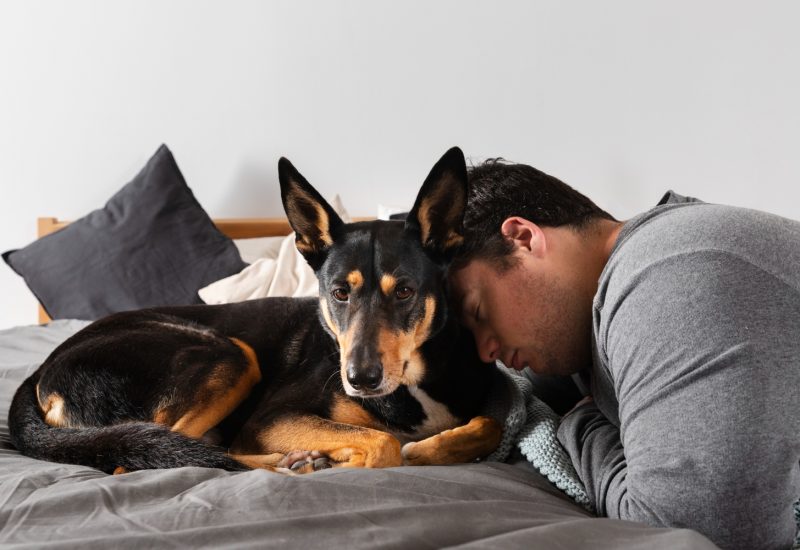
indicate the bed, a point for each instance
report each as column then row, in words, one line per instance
column 486, row 504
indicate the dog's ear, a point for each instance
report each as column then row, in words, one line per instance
column 438, row 212
column 314, row 221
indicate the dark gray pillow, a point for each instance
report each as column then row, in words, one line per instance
column 151, row 245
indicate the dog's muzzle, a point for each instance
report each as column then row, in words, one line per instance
column 365, row 379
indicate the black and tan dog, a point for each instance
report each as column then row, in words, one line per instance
column 375, row 362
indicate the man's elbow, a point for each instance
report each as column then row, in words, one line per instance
column 730, row 521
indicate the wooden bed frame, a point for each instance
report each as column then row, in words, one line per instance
column 235, row 228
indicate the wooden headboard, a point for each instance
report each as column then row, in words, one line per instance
column 235, row 228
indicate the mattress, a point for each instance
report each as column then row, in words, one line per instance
column 488, row 504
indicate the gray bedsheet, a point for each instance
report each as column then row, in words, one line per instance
column 473, row 505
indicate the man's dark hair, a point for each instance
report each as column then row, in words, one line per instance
column 499, row 190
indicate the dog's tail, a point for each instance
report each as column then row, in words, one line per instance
column 130, row 446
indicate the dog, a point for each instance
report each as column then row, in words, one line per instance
column 376, row 372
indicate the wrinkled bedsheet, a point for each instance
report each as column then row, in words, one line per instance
column 479, row 505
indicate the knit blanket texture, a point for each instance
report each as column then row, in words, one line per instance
column 530, row 425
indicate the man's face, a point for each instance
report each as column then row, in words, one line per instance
column 530, row 315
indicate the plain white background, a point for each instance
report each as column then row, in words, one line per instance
column 621, row 99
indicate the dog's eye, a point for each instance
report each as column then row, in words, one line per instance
column 341, row 294
column 403, row 292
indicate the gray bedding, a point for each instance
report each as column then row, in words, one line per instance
column 487, row 504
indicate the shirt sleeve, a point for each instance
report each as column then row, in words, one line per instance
column 593, row 443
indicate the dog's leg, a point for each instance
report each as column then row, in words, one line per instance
column 465, row 443
column 225, row 388
column 344, row 444
column 267, row 462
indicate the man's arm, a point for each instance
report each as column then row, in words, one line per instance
column 706, row 374
column 594, row 446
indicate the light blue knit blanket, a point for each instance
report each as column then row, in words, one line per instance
column 530, row 425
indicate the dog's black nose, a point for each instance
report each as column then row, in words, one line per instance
column 365, row 378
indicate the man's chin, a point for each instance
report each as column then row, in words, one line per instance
column 552, row 367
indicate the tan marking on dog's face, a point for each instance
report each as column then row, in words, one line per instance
column 388, row 282
column 326, row 314
column 423, row 328
column 307, row 228
column 402, row 362
column 349, row 412
column 355, row 279
column 345, row 340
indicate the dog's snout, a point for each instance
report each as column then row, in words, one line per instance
column 365, row 378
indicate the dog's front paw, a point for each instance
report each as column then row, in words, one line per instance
column 417, row 453
column 479, row 437
column 303, row 462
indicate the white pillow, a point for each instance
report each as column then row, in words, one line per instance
column 280, row 271
column 260, row 247
column 287, row 274
column 385, row 211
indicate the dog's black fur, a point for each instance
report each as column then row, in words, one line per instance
column 376, row 360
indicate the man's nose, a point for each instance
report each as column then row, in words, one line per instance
column 488, row 348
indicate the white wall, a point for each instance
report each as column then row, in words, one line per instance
column 621, row 99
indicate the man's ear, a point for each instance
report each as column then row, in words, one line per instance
column 438, row 212
column 524, row 234
column 314, row 221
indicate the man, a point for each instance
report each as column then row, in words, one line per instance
column 686, row 318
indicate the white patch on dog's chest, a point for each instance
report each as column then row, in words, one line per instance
column 438, row 417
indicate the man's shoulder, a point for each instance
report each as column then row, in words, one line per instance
column 688, row 232
column 681, row 225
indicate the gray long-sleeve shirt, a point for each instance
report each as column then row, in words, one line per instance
column 696, row 375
